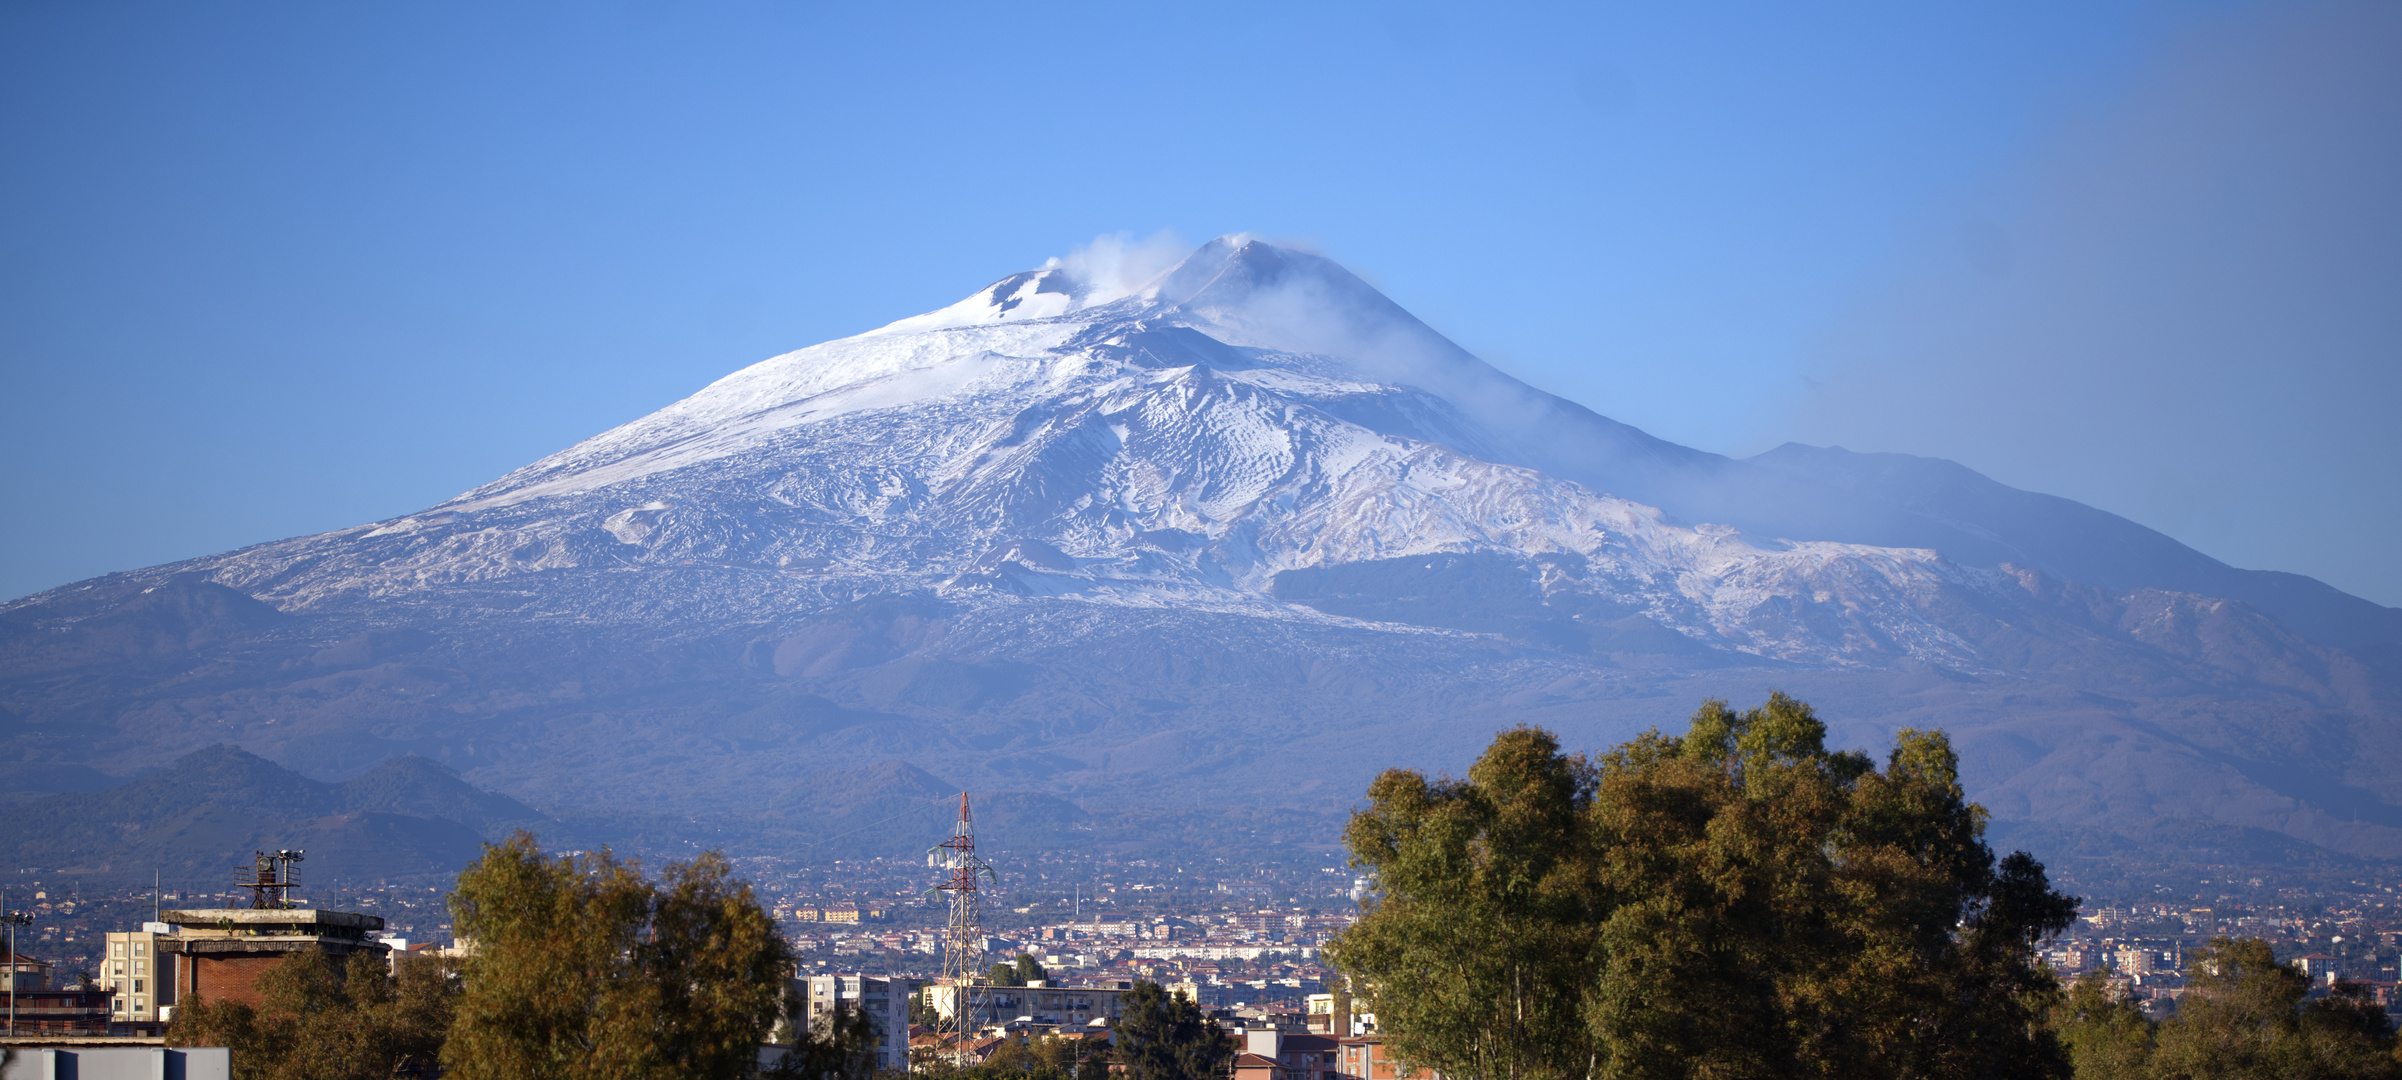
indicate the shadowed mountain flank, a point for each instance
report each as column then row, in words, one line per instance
column 197, row 819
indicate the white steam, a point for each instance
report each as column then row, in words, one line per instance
column 1116, row 264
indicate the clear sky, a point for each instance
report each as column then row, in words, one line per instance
column 270, row 269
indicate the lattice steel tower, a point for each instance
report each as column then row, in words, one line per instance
column 963, row 941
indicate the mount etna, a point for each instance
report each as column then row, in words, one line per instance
column 1213, row 547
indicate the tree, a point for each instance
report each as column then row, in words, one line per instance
column 1165, row 1037
column 1486, row 913
column 1072, row 1057
column 1020, row 972
column 318, row 1020
column 1054, row 1057
column 719, row 965
column 2105, row 1035
column 2242, row 1017
column 840, row 1045
column 583, row 968
column 1737, row 901
column 2351, row 1033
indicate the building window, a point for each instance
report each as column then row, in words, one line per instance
column 116, row 948
column 137, row 1004
column 141, row 967
column 120, row 1004
column 120, row 967
column 141, row 949
column 137, row 988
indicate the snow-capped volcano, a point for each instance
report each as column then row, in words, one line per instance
column 1118, row 537
column 1287, row 321
column 1250, row 412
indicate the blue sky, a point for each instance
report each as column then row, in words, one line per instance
column 271, row 269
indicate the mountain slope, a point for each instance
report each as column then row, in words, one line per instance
column 201, row 817
column 1154, row 548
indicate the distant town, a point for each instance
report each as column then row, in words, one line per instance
column 1243, row 941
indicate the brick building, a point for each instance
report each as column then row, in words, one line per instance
column 1275, row 1054
column 1366, row 1058
column 221, row 952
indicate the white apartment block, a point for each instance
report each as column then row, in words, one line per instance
column 140, row 982
column 885, row 1001
column 1038, row 1002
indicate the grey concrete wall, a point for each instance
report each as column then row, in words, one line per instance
column 118, row 1063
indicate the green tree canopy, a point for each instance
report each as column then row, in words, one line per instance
column 1162, row 1036
column 1737, row 901
column 2243, row 1016
column 2106, row 1035
column 838, row 1045
column 1023, row 971
column 582, row 968
column 321, row 1020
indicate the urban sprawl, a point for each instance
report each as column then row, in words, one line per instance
column 1245, row 943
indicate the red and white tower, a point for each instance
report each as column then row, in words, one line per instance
column 963, row 942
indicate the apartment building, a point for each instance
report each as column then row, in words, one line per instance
column 1040, row 1002
column 1366, row 1058
column 885, row 1001
column 1330, row 1014
column 25, row 973
column 1272, row 1054
column 139, row 978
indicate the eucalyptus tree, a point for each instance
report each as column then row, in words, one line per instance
column 582, row 968
column 1735, row 901
column 1164, row 1036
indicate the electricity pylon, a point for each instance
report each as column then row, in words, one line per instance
column 963, row 939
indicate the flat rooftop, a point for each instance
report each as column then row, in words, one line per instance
column 272, row 921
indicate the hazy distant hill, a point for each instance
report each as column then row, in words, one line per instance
column 1213, row 551
column 894, row 808
column 203, row 816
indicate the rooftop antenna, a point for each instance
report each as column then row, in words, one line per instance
column 963, row 938
column 270, row 878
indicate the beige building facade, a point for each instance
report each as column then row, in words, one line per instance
column 139, row 978
column 885, row 1001
column 1064, row 1006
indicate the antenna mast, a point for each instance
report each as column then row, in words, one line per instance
column 963, row 940
column 270, row 878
